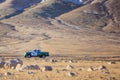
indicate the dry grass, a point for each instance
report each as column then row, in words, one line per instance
column 57, row 73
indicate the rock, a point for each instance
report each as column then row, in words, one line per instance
column 106, row 72
column 8, row 73
column 90, row 69
column 31, row 67
column 69, row 67
column 47, row 68
column 70, row 61
column 95, row 69
column 7, row 65
column 64, row 69
column 113, row 78
column 80, row 69
column 34, row 67
column 112, row 62
column 18, row 67
column 15, row 62
column 11, row 64
column 57, row 71
column 19, row 61
column 71, row 74
column 31, row 73
column 102, row 67
column 12, row 68
column 24, row 67
column 2, row 64
column 53, row 60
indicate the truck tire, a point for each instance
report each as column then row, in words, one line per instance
column 29, row 56
column 43, row 56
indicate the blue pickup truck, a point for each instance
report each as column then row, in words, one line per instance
column 36, row 53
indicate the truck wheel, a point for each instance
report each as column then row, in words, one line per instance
column 43, row 56
column 28, row 56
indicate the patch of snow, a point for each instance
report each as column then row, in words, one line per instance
column 78, row 2
column 43, row 1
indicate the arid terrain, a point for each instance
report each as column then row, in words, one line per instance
column 63, row 68
column 87, row 34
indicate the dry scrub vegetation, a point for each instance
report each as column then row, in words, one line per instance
column 63, row 68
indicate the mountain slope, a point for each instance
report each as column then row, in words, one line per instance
column 9, row 8
column 99, row 14
column 39, row 27
column 6, row 28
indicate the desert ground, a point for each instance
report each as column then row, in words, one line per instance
column 63, row 68
column 58, row 28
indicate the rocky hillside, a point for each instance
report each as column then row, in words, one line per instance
column 60, row 26
column 98, row 14
column 9, row 8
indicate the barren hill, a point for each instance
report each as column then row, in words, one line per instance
column 99, row 14
column 59, row 27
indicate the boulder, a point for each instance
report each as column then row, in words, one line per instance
column 112, row 62
column 69, row 67
column 71, row 74
column 106, row 72
column 8, row 73
column 24, row 67
column 47, row 68
column 2, row 64
column 15, row 62
column 11, row 64
column 70, row 61
column 7, row 65
column 30, row 67
column 34, row 67
column 90, row 69
column 19, row 61
column 102, row 67
column 18, row 67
